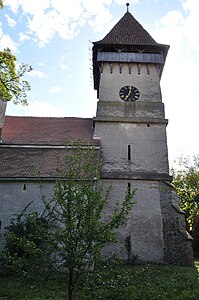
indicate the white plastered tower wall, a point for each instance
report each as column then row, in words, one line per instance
column 134, row 147
column 134, row 151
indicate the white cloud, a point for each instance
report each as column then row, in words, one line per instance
column 55, row 89
column 65, row 18
column 63, row 66
column 11, row 22
column 191, row 23
column 181, row 72
column 123, row 2
column 14, row 4
column 36, row 73
column 7, row 42
column 43, row 109
column 23, row 37
column 102, row 18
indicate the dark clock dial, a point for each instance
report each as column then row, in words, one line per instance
column 129, row 93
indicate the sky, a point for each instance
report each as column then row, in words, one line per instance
column 55, row 37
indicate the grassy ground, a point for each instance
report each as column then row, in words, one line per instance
column 147, row 282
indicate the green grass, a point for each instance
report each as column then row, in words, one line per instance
column 147, row 282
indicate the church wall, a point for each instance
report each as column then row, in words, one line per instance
column 146, row 143
column 16, row 195
column 145, row 220
column 144, row 76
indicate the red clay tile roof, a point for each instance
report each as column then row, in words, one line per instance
column 32, row 146
column 26, row 162
column 128, row 31
column 47, row 131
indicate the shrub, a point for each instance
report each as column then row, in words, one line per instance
column 29, row 246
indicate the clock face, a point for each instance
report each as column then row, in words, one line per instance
column 129, row 93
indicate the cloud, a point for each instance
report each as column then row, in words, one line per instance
column 48, row 18
column 191, row 23
column 43, row 109
column 179, row 81
column 63, row 66
column 123, row 2
column 36, row 73
column 11, row 22
column 55, row 89
column 23, row 37
column 6, row 41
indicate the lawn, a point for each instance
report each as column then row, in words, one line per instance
column 147, row 282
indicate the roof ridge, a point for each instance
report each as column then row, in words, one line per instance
column 38, row 117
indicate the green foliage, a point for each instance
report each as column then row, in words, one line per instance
column 1, row 4
column 79, row 230
column 145, row 282
column 186, row 181
column 11, row 84
column 78, row 206
column 29, row 246
column 109, row 280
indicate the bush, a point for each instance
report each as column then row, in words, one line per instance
column 29, row 246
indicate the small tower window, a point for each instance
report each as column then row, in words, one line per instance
column 129, row 187
column 120, row 68
column 129, row 152
column 129, row 66
column 138, row 67
column 111, row 68
column 148, row 69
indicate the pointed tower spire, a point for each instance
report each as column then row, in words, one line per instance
column 127, row 36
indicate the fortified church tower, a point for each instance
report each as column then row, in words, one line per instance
column 130, row 122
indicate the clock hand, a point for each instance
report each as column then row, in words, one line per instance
column 130, row 88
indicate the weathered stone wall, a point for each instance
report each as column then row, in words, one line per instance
column 177, row 241
column 16, row 195
column 144, row 76
column 144, row 224
column 147, row 146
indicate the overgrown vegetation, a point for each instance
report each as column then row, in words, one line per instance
column 145, row 282
column 186, row 181
column 71, row 229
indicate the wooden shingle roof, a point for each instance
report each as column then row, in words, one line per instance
column 128, row 31
column 127, row 35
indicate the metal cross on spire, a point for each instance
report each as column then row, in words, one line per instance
column 127, row 6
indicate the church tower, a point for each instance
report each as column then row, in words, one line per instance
column 130, row 122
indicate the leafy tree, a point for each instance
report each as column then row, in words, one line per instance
column 11, row 84
column 78, row 208
column 186, row 181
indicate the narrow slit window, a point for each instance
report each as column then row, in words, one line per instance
column 111, row 68
column 138, row 67
column 129, row 187
column 129, row 152
column 120, row 68
column 129, row 68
